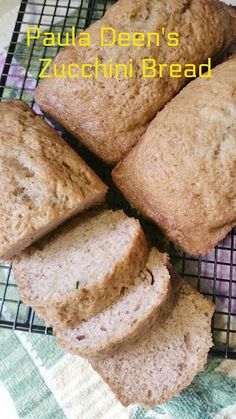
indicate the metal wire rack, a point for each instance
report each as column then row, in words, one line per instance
column 214, row 274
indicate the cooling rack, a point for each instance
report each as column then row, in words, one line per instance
column 214, row 274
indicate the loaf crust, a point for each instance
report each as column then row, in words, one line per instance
column 183, row 173
column 63, row 278
column 43, row 181
column 110, row 115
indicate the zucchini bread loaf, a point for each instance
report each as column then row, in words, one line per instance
column 109, row 115
column 42, row 180
column 182, row 174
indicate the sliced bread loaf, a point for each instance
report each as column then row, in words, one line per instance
column 166, row 360
column 82, row 268
column 42, row 180
column 149, row 298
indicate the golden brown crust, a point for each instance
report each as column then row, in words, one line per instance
column 182, row 173
column 110, row 115
column 43, row 181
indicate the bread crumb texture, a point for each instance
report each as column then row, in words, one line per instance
column 163, row 362
column 148, row 298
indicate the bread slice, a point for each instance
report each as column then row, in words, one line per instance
column 43, row 181
column 163, row 362
column 205, row 28
column 83, row 268
column 182, row 174
column 149, row 298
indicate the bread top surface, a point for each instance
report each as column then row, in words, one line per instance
column 42, row 178
column 150, row 295
column 205, row 28
column 155, row 368
column 183, row 172
column 79, row 255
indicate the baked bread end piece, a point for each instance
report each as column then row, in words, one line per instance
column 43, row 180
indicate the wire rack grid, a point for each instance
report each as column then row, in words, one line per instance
column 214, row 274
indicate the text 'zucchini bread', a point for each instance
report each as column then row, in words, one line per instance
column 82, row 268
column 43, row 181
column 182, row 174
column 109, row 115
